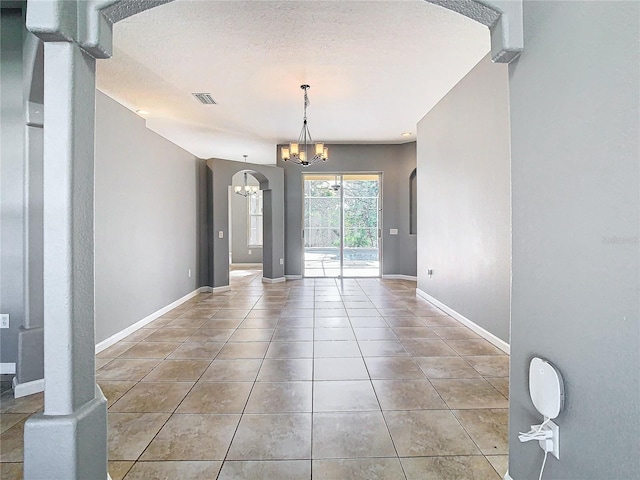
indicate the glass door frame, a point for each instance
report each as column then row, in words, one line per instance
column 341, row 175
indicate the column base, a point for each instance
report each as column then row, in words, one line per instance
column 72, row 447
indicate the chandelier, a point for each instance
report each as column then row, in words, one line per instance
column 299, row 153
column 244, row 189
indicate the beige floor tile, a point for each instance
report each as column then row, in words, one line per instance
column 407, row 395
column 207, row 334
column 331, row 313
column 474, row 347
column 269, row 314
column 130, row 433
column 428, row 433
column 197, row 350
column 243, row 350
column 339, row 369
column 290, row 350
column 115, row 350
column 469, row 393
column 177, row 371
column 332, row 322
column 344, row 396
column 266, row 470
column 225, row 397
column 382, row 348
column 193, row 437
column 150, row 350
column 500, row 463
column 490, row 365
column 455, row 333
column 488, row 428
column 272, row 437
column 439, row 320
column 374, row 334
column 118, row 469
column 222, row 323
column 150, row 397
column 229, row 313
column 336, row 349
column 8, row 420
column 170, row 335
column 413, row 333
column 358, row 469
column 238, row 370
column 368, row 322
column 12, row 444
column 101, row 362
column 28, row 404
column 196, row 321
column 403, row 322
column 260, row 322
column 446, row 367
column 393, row 368
column 252, row 335
column 289, row 334
column 171, row 470
column 281, row 397
column 428, row 348
column 449, row 468
column 131, row 369
column 114, row 389
column 500, row 384
column 286, row 370
column 351, row 435
column 337, row 334
column 139, row 335
column 11, row 471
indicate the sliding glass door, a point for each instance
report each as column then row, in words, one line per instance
column 342, row 225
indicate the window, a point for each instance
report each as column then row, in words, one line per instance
column 254, row 227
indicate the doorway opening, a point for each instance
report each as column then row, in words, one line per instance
column 342, row 217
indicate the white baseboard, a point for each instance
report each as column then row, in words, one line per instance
column 293, row 277
column 223, row 288
column 400, row 277
column 7, row 368
column 148, row 319
column 507, row 476
column 27, row 388
column 501, row 344
column 273, row 280
column 246, row 265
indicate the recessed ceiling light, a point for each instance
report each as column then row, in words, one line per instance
column 407, row 134
column 142, row 112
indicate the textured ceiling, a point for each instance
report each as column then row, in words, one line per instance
column 375, row 68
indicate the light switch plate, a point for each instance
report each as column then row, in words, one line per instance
column 393, row 231
column 4, row 320
column 220, row 234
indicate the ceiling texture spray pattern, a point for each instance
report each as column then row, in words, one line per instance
column 375, row 68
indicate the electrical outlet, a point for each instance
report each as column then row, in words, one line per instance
column 282, row 261
column 220, row 234
column 189, row 273
column 249, row 252
column 430, row 273
column 4, row 320
column 555, row 439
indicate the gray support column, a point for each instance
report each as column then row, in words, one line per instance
column 69, row 439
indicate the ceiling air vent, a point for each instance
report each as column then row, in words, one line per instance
column 205, row 98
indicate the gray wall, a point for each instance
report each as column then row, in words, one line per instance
column 464, row 217
column 146, row 230
column 239, row 234
column 12, row 200
column 576, row 220
column 396, row 162
column 219, row 177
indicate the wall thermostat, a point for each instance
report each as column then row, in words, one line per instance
column 546, row 387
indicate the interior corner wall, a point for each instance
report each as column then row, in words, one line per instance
column 396, row 162
column 146, row 228
column 464, row 215
column 575, row 110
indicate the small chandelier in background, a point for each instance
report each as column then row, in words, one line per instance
column 298, row 153
column 244, row 189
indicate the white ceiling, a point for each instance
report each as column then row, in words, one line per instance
column 375, row 68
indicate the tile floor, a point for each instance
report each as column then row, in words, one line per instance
column 351, row 379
